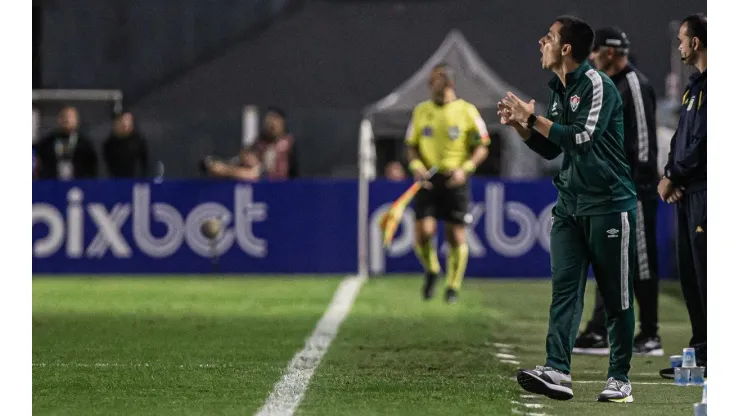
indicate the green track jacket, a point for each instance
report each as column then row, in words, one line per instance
column 588, row 129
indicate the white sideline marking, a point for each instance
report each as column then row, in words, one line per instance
column 507, row 356
column 136, row 365
column 530, row 396
column 519, row 412
column 639, row 383
column 288, row 392
column 510, row 362
column 529, row 405
column 89, row 365
column 497, row 345
column 603, row 373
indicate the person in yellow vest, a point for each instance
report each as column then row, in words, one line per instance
column 448, row 133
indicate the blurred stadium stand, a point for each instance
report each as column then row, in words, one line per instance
column 188, row 71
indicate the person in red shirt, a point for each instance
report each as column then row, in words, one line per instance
column 275, row 147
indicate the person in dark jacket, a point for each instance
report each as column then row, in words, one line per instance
column 66, row 153
column 125, row 151
column 685, row 184
column 593, row 221
column 610, row 55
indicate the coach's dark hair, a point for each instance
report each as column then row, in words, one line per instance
column 696, row 27
column 578, row 34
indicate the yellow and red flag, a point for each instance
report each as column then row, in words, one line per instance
column 390, row 220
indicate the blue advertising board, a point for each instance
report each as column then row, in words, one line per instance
column 130, row 227
column 509, row 234
column 301, row 226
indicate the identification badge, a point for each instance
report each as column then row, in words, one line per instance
column 454, row 132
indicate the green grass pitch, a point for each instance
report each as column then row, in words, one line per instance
column 217, row 346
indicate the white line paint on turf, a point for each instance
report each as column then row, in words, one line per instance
column 603, row 373
column 639, row 383
column 138, row 365
column 91, row 365
column 529, row 405
column 519, row 412
column 288, row 392
column 506, row 356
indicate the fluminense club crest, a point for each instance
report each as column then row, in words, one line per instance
column 574, row 101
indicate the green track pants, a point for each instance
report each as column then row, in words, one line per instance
column 607, row 243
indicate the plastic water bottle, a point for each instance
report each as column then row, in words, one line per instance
column 682, row 376
column 689, row 358
column 700, row 409
column 697, row 376
column 676, row 361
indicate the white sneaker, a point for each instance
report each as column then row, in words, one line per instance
column 546, row 381
column 616, row 391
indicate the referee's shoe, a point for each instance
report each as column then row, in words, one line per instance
column 427, row 292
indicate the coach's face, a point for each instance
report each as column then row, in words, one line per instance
column 550, row 47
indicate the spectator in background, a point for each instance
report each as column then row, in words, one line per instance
column 65, row 153
column 246, row 166
column 394, row 171
column 125, row 151
column 276, row 148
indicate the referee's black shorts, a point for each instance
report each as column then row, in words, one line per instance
column 444, row 203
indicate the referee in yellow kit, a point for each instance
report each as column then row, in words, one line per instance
column 448, row 133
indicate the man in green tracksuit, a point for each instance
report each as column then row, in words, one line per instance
column 594, row 217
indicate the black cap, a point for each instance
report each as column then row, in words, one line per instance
column 611, row 37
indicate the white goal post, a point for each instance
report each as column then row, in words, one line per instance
column 115, row 96
column 56, row 97
column 366, row 167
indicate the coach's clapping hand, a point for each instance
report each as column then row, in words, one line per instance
column 519, row 110
column 505, row 115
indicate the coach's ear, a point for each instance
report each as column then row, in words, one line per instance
column 566, row 49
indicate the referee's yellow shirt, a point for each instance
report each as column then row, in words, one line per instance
column 446, row 134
